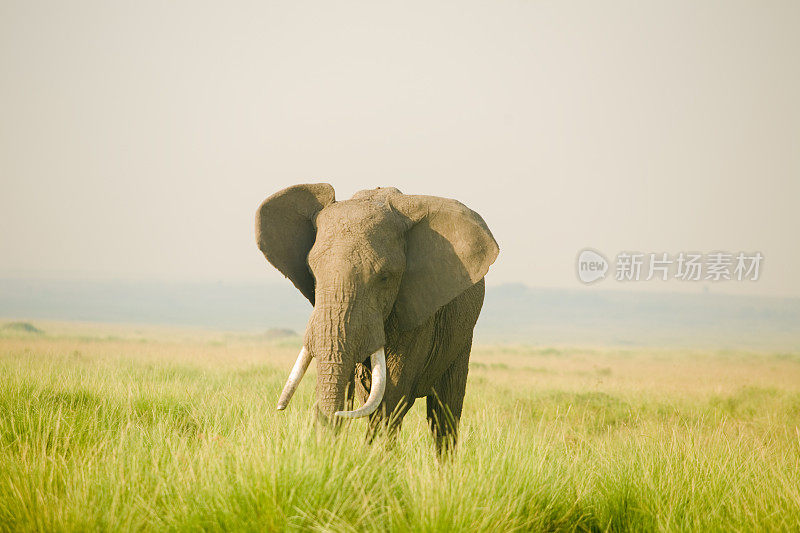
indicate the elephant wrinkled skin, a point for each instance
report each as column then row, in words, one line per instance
column 387, row 273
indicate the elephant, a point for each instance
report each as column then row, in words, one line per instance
column 397, row 283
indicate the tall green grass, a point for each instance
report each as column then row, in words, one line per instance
column 125, row 435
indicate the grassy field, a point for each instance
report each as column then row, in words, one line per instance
column 153, row 429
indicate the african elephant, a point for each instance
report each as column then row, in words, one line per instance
column 397, row 284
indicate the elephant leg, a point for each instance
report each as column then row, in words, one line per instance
column 389, row 416
column 445, row 402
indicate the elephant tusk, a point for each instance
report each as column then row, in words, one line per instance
column 299, row 368
column 376, row 391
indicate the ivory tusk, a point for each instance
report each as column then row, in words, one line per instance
column 378, row 387
column 299, row 368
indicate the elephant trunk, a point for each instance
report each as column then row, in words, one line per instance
column 339, row 336
column 332, row 380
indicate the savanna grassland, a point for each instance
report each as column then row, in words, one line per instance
column 126, row 428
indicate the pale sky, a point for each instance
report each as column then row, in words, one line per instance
column 137, row 139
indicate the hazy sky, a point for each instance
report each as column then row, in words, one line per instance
column 137, row 139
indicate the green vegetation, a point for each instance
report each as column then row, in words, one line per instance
column 20, row 328
column 161, row 431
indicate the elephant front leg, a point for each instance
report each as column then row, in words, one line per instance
column 445, row 402
column 389, row 416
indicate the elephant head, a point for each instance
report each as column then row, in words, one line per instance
column 381, row 259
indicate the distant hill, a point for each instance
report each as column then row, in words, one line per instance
column 21, row 327
column 516, row 313
column 244, row 306
column 512, row 313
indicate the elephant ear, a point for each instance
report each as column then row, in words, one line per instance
column 449, row 248
column 285, row 230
